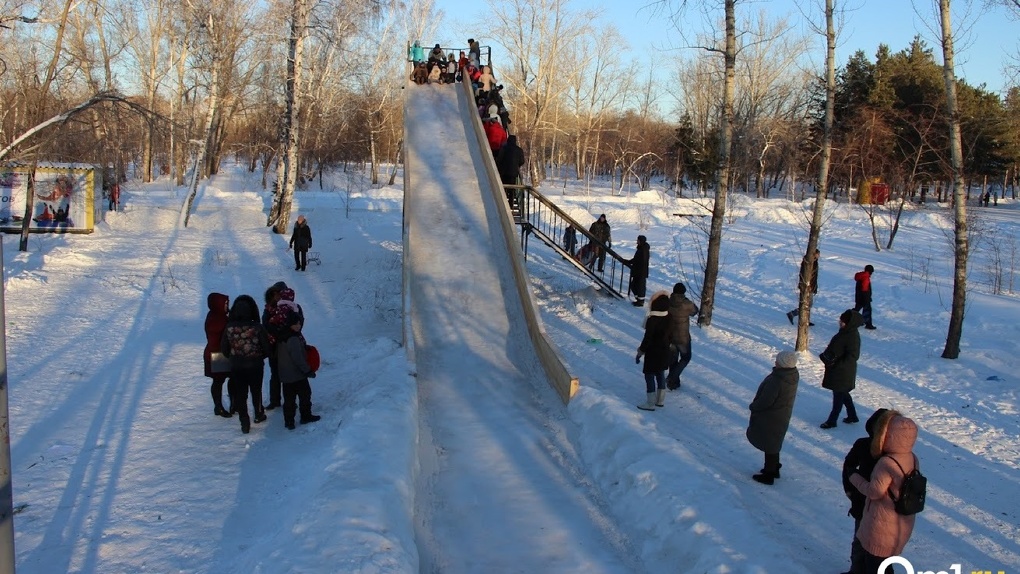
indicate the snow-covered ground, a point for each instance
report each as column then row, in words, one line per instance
column 120, row 465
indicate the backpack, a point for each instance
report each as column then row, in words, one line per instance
column 912, row 491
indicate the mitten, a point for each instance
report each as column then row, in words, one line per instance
column 311, row 375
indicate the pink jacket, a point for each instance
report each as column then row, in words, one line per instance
column 883, row 531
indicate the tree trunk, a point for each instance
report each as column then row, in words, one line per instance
column 204, row 145
column 723, row 175
column 285, row 197
column 952, row 350
column 806, row 296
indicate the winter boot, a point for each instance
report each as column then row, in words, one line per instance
column 650, row 404
column 660, row 398
column 770, row 473
column 639, row 303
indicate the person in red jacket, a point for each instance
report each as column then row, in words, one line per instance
column 883, row 531
column 495, row 133
column 862, row 295
column 215, row 323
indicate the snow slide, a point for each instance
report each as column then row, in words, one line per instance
column 488, row 500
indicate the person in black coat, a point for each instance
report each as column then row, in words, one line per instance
column 859, row 460
column 639, row 270
column 655, row 349
column 246, row 343
column 509, row 160
column 771, row 410
column 301, row 242
column 840, row 360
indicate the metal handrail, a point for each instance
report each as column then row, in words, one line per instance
column 539, row 216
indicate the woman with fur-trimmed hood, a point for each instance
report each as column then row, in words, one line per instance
column 655, row 349
column 883, row 531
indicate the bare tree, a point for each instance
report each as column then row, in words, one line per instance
column 279, row 217
column 537, row 33
column 806, row 296
column 728, row 50
column 952, row 349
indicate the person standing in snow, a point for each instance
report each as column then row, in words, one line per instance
column 840, row 360
column 862, row 295
column 771, row 410
column 570, row 240
column 295, row 372
column 215, row 323
column 883, row 531
column 655, row 350
column 812, row 282
column 859, row 460
column 301, row 242
column 600, row 230
column 246, row 343
column 681, row 309
column 272, row 297
column 639, row 270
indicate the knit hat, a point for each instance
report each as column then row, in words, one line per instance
column 869, row 268
column 641, row 239
column 845, row 317
column 679, row 288
column 786, row 359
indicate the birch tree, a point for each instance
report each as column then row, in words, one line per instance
column 727, row 49
column 804, row 283
column 279, row 217
column 952, row 349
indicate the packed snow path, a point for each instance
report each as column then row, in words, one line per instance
column 478, row 376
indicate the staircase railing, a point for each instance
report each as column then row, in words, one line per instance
column 538, row 216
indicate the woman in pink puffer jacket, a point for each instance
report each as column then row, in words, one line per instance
column 883, row 531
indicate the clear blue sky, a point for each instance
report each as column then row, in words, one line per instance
column 990, row 38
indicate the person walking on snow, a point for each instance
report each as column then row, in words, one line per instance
column 301, row 242
column 862, row 295
column 639, row 270
column 771, row 410
column 600, row 230
column 681, row 309
column 840, row 360
column 655, row 349
column 812, row 282
column 885, row 532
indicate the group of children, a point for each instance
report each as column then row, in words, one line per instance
column 238, row 341
column 441, row 68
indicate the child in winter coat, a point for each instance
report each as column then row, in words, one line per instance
column 859, row 460
column 655, row 349
column 883, row 531
column 246, row 343
column 294, row 373
column 215, row 323
column 771, row 410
